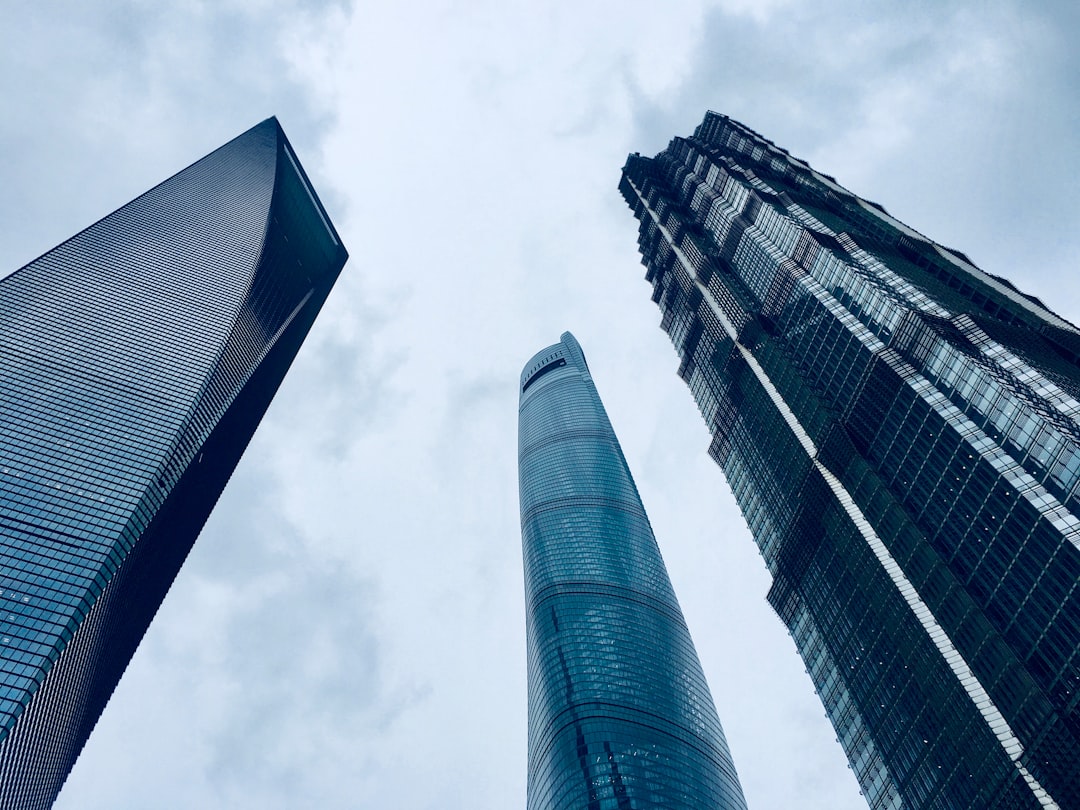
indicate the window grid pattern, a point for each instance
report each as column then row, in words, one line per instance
column 942, row 399
column 127, row 355
column 620, row 715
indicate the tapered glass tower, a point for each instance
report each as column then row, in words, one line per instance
column 620, row 715
column 902, row 432
column 136, row 360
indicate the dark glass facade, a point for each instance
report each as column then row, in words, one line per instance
column 136, row 360
column 902, row 433
column 620, row 715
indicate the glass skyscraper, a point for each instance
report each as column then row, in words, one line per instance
column 136, row 360
column 620, row 716
column 902, row 432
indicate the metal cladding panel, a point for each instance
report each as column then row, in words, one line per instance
column 620, row 715
column 901, row 432
column 136, row 360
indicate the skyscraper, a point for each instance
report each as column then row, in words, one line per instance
column 620, row 715
column 136, row 360
column 902, row 432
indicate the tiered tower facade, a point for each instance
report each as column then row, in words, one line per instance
column 902, row 432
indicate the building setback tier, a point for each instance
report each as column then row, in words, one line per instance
column 902, row 433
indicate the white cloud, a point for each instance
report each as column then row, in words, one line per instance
column 349, row 631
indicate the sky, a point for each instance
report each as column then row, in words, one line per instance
column 349, row 629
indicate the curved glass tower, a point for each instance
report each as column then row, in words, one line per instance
column 136, row 360
column 620, row 715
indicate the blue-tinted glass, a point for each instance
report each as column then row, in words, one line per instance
column 136, row 360
column 902, row 433
column 620, row 715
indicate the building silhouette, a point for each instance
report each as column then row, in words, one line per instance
column 902, row 433
column 136, row 360
column 620, row 715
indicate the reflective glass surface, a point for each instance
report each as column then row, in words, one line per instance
column 620, row 715
column 902, row 432
column 136, row 360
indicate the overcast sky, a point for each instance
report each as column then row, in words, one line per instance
column 349, row 630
